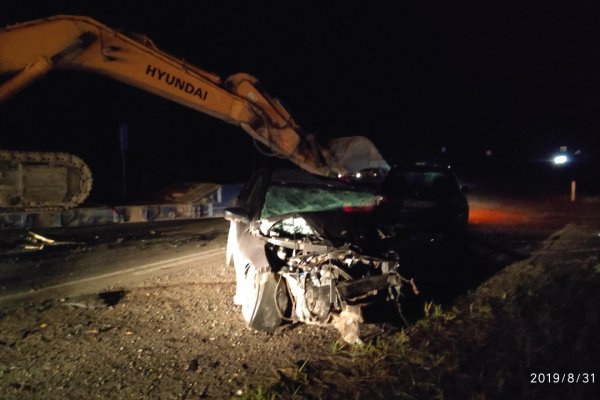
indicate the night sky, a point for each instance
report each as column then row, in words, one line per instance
column 521, row 79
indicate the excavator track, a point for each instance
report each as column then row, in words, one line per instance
column 42, row 181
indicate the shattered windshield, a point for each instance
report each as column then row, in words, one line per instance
column 291, row 199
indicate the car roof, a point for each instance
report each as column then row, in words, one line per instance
column 297, row 176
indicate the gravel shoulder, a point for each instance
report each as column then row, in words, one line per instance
column 175, row 335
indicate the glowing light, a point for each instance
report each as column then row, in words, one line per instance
column 358, row 209
column 487, row 216
column 560, row 159
column 358, row 175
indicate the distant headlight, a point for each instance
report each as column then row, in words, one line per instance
column 560, row 159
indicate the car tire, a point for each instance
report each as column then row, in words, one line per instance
column 257, row 298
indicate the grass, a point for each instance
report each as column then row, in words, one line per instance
column 534, row 316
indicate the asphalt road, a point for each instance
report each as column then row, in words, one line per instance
column 93, row 259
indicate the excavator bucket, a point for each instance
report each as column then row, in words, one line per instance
column 356, row 153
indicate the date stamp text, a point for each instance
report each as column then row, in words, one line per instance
column 562, row 377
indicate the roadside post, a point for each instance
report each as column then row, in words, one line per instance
column 124, row 145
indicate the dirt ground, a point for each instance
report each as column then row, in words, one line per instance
column 177, row 335
column 174, row 333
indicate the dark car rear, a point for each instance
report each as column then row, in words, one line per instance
column 423, row 198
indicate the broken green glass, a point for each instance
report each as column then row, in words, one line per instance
column 285, row 200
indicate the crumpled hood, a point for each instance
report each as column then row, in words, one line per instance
column 355, row 228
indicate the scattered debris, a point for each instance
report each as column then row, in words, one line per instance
column 38, row 242
column 92, row 301
column 35, row 237
column 112, row 298
column 32, row 242
column 193, row 366
column 348, row 324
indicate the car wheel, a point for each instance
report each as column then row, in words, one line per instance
column 257, row 296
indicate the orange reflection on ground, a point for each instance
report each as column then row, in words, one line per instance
column 498, row 217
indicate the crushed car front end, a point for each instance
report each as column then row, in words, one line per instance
column 314, row 255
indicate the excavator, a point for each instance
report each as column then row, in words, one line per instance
column 29, row 50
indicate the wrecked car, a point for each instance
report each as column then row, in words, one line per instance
column 307, row 249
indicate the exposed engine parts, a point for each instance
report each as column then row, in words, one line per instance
column 329, row 287
column 288, row 270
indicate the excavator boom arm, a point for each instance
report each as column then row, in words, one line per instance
column 29, row 50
